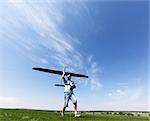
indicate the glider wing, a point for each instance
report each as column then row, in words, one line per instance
column 58, row 72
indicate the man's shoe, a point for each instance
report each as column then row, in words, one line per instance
column 77, row 115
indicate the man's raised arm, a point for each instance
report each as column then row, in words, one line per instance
column 63, row 77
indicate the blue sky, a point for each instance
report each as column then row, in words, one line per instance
column 108, row 41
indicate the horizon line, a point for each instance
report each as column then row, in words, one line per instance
column 72, row 111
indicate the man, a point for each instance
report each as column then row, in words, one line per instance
column 68, row 94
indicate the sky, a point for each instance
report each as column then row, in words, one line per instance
column 106, row 40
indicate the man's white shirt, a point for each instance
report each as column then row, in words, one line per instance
column 67, row 85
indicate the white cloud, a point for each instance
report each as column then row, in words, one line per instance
column 15, row 102
column 35, row 28
column 41, row 23
column 44, row 61
column 94, row 73
column 117, row 93
column 8, row 100
column 128, row 98
column 133, row 98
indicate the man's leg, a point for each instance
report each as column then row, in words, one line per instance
column 62, row 112
column 75, row 108
column 74, row 100
column 66, row 100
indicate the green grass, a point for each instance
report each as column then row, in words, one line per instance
column 33, row 115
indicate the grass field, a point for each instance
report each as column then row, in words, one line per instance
column 35, row 115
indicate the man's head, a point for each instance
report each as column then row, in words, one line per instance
column 69, row 77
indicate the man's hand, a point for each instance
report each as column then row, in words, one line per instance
column 63, row 74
